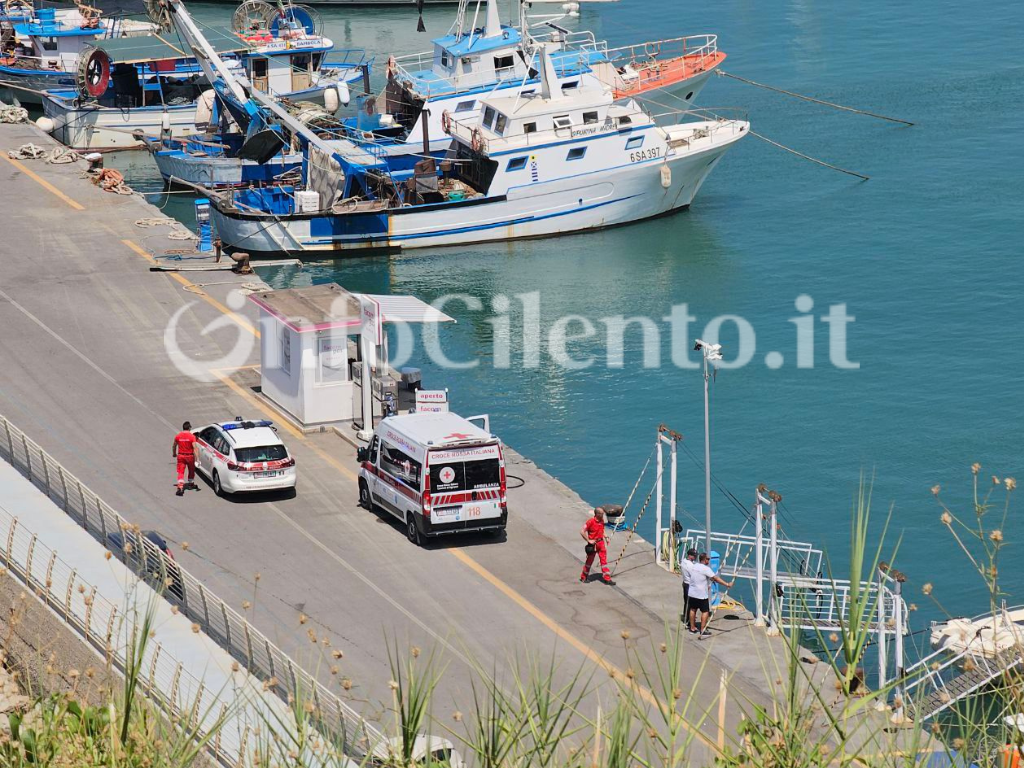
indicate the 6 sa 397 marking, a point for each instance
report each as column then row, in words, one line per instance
column 644, row 154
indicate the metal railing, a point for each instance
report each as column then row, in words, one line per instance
column 250, row 647
column 112, row 631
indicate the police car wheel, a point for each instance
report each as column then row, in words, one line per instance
column 412, row 531
column 217, row 487
column 364, row 495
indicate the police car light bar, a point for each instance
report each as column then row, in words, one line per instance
column 245, row 424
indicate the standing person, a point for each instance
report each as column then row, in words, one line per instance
column 686, row 567
column 183, row 448
column 701, row 577
column 597, row 544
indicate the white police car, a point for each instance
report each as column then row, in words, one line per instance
column 240, row 456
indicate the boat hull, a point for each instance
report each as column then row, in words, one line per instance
column 93, row 127
column 27, row 85
column 177, row 166
column 605, row 199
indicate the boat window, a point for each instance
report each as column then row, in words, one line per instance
column 516, row 164
column 465, row 106
column 488, row 116
column 49, row 43
column 624, row 120
column 499, row 124
column 300, row 62
column 529, row 127
column 635, row 142
column 562, row 121
column 503, row 63
column 446, row 60
column 576, row 154
column 570, row 84
column 589, row 118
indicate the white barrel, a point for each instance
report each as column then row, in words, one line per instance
column 204, row 108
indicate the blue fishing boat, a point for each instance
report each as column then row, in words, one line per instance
column 42, row 49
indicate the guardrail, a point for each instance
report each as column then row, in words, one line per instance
column 112, row 631
column 216, row 618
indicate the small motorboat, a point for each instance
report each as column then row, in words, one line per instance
column 987, row 635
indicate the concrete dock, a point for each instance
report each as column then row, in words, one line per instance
column 85, row 373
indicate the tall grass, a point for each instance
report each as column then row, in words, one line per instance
column 529, row 712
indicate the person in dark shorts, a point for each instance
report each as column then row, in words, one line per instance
column 701, row 577
column 685, row 566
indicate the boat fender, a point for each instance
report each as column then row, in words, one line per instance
column 165, row 121
column 478, row 140
column 344, row 94
column 666, row 176
column 204, row 109
column 45, row 124
column 331, row 101
column 93, row 74
column 446, row 122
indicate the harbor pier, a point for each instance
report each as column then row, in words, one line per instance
column 86, row 374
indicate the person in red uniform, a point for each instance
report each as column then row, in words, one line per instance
column 184, row 450
column 593, row 533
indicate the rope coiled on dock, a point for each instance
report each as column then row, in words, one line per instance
column 10, row 113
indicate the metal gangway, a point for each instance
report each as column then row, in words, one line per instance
column 943, row 678
column 791, row 591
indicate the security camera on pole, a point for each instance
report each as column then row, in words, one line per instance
column 712, row 354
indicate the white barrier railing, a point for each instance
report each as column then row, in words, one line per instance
column 112, row 630
column 250, row 647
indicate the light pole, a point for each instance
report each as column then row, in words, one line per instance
column 712, row 353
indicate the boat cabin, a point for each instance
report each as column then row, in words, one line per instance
column 284, row 66
column 51, row 43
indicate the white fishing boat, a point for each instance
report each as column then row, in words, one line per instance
column 987, row 635
column 473, row 62
column 556, row 161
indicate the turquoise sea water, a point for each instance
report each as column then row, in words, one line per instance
column 926, row 256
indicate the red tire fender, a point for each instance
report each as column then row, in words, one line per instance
column 96, row 74
column 446, row 122
column 392, row 67
column 478, row 140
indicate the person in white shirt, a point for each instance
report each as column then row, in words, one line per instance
column 685, row 565
column 701, row 577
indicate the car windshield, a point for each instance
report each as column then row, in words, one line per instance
column 262, row 453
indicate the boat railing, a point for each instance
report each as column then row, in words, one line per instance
column 405, row 69
column 581, row 39
column 696, row 47
column 346, row 57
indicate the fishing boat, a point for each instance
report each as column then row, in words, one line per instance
column 471, row 62
column 551, row 162
column 40, row 50
column 147, row 85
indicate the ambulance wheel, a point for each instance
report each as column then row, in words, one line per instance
column 412, row 530
column 217, row 487
column 364, row 495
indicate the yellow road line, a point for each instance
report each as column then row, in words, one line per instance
column 565, row 635
column 588, row 652
column 241, row 321
column 43, row 183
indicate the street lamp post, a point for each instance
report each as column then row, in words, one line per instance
column 712, row 353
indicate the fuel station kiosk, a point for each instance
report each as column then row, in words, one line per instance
column 324, row 351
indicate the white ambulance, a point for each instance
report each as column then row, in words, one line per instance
column 436, row 472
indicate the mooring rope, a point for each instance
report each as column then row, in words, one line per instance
column 636, row 522
column 622, row 524
column 814, row 100
column 808, row 157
